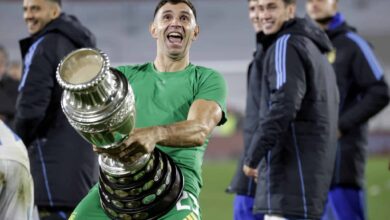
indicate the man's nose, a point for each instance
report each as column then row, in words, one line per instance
column 27, row 14
column 176, row 22
column 264, row 15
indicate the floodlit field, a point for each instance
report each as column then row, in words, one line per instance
column 217, row 205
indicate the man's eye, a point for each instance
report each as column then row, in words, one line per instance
column 272, row 7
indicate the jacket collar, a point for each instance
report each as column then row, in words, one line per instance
column 336, row 21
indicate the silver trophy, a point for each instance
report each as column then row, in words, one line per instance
column 99, row 103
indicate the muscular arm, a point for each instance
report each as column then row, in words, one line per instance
column 202, row 119
column 203, row 116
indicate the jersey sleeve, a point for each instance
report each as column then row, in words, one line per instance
column 121, row 69
column 213, row 88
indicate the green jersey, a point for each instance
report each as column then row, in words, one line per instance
column 164, row 98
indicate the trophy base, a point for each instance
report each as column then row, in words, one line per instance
column 148, row 193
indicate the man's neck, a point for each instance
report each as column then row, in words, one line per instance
column 324, row 22
column 167, row 64
column 323, row 26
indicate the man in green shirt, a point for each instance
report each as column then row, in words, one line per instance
column 178, row 105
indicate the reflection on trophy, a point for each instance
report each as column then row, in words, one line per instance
column 99, row 103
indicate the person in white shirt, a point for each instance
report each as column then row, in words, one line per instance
column 16, row 184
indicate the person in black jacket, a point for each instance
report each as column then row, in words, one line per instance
column 363, row 93
column 244, row 187
column 8, row 89
column 294, row 146
column 63, row 165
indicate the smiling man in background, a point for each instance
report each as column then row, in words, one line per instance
column 294, row 146
column 363, row 93
column 63, row 165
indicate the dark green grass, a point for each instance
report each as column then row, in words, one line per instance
column 378, row 188
column 217, row 205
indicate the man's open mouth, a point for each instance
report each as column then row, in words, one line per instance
column 175, row 37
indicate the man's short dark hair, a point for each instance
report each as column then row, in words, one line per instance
column 174, row 2
column 55, row 1
column 289, row 2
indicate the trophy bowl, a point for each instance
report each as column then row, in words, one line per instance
column 99, row 103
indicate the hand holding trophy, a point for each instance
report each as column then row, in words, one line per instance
column 99, row 103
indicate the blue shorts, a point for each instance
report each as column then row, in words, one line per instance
column 345, row 203
column 243, row 207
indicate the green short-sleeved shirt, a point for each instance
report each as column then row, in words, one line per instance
column 165, row 97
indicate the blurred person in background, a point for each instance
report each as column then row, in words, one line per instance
column 294, row 146
column 363, row 93
column 243, row 186
column 15, row 70
column 16, row 184
column 8, row 89
column 177, row 123
column 63, row 165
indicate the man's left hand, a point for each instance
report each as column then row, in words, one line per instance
column 250, row 172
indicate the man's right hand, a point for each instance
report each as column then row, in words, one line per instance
column 339, row 134
column 250, row 172
column 131, row 146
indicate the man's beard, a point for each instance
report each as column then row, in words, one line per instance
column 324, row 20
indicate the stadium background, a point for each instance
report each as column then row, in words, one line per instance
column 226, row 43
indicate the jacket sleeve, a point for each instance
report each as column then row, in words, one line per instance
column 7, row 97
column 368, row 75
column 286, row 83
column 36, row 87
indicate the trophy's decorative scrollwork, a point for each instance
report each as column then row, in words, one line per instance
column 99, row 103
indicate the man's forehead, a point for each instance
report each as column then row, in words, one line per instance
column 253, row 2
column 331, row 1
column 176, row 8
column 326, row 2
column 33, row 2
column 265, row 2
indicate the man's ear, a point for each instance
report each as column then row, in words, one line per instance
column 55, row 10
column 335, row 5
column 292, row 8
column 196, row 33
column 153, row 30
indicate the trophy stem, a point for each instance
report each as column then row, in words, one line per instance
column 117, row 168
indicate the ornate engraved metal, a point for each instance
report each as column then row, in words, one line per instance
column 99, row 103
